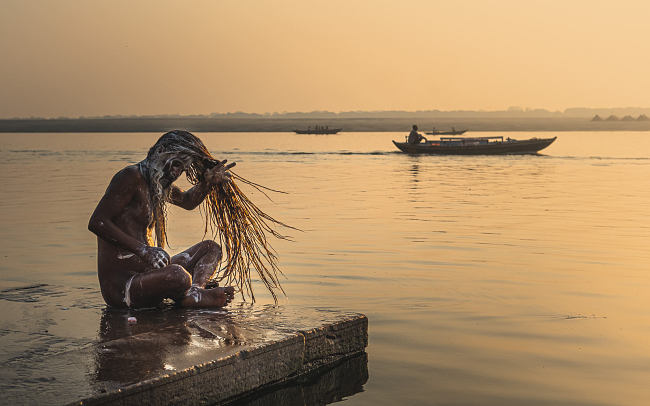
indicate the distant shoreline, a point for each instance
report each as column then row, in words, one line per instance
column 384, row 124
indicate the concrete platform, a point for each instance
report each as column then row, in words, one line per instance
column 177, row 356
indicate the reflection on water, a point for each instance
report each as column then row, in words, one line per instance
column 129, row 353
column 415, row 170
column 173, row 339
column 489, row 279
column 58, row 357
column 333, row 384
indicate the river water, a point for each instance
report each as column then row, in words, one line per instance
column 486, row 279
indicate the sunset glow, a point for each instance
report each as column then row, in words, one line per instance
column 71, row 58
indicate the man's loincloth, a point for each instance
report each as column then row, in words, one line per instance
column 127, row 291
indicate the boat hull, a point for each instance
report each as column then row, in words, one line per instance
column 531, row 146
column 328, row 131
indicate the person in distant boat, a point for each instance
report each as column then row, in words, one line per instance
column 414, row 136
column 133, row 271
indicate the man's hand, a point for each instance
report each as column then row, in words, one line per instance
column 154, row 256
column 218, row 174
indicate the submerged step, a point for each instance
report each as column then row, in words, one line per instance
column 179, row 356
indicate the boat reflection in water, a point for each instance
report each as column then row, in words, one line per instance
column 476, row 146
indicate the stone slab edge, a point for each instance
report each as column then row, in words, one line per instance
column 255, row 367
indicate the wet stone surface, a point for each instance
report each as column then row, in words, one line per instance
column 54, row 350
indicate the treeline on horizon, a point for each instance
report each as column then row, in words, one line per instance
column 347, row 124
column 512, row 112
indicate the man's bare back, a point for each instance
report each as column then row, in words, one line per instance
column 132, row 271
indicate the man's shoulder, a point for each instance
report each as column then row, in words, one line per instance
column 131, row 170
column 129, row 175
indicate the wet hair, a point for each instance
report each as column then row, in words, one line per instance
column 174, row 145
column 241, row 227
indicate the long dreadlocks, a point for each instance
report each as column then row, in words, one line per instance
column 240, row 225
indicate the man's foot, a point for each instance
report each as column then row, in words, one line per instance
column 215, row 297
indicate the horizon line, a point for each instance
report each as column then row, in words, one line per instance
column 511, row 110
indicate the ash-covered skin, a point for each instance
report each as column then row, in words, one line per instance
column 133, row 212
column 194, row 293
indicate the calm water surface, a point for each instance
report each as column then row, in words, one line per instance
column 486, row 280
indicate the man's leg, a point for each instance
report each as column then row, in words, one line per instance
column 148, row 289
column 200, row 260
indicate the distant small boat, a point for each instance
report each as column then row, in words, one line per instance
column 476, row 146
column 452, row 132
column 318, row 130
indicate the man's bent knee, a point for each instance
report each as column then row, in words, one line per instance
column 212, row 247
column 179, row 276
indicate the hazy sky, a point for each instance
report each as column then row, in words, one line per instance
column 72, row 58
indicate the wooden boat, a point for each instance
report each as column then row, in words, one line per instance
column 318, row 130
column 476, row 146
column 452, row 132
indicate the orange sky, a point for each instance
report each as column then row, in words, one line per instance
column 72, row 58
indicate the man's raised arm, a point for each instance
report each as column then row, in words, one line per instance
column 193, row 197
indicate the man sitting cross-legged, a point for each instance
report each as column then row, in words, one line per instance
column 132, row 271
